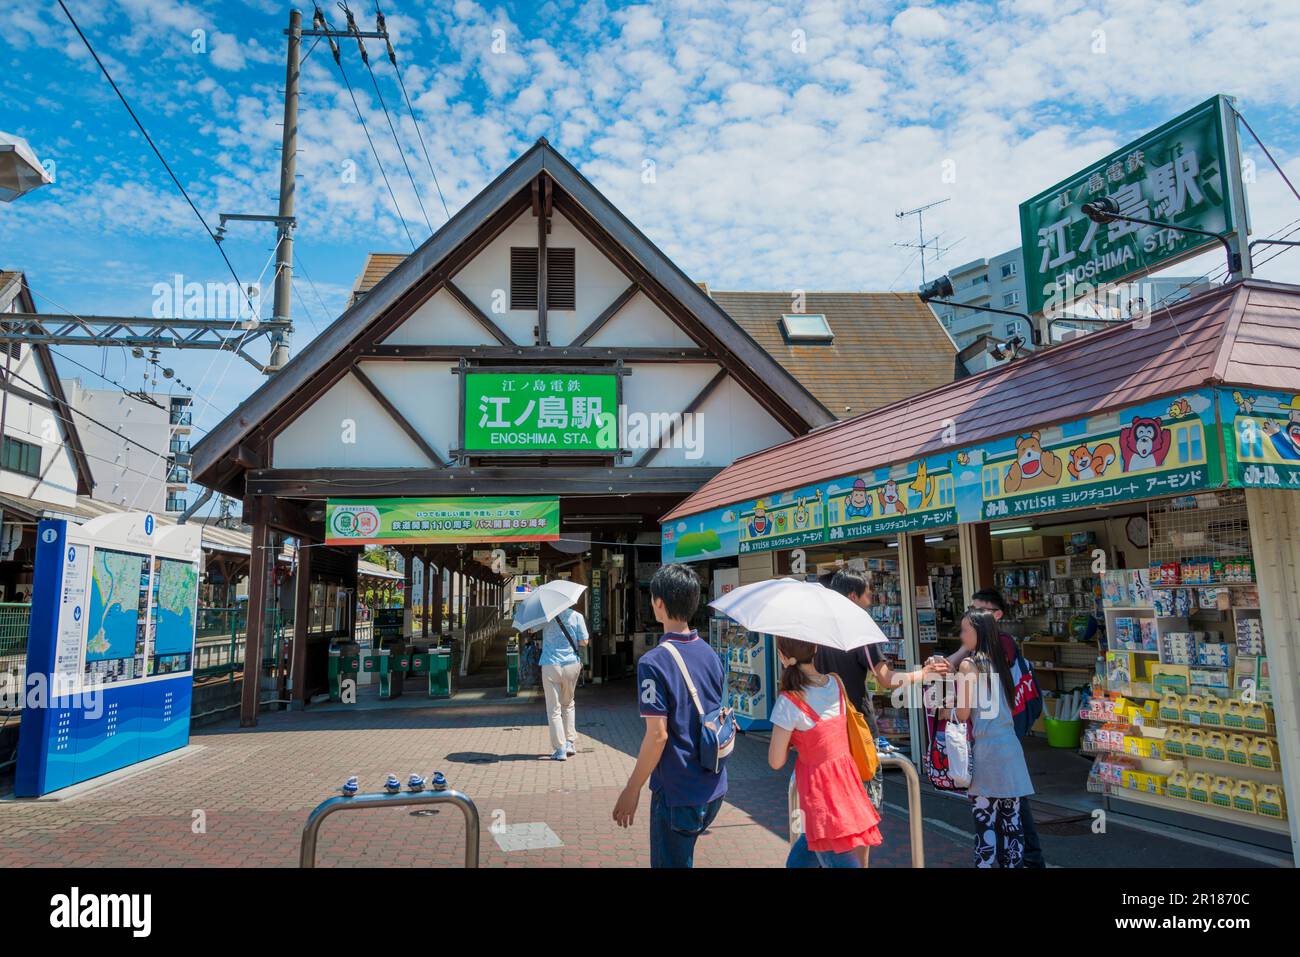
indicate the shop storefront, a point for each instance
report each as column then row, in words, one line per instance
column 1129, row 495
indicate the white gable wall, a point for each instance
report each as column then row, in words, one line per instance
column 37, row 425
column 427, row 394
column 319, row 437
column 442, row 321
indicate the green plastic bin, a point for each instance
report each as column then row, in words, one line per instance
column 1063, row 734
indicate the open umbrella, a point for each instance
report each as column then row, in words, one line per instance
column 802, row 610
column 545, row 602
column 20, row 170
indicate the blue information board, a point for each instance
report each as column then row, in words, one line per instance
column 110, row 652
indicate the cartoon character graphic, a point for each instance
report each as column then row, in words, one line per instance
column 1088, row 463
column 1286, row 441
column 1144, row 444
column 1034, row 467
column 801, row 514
column 1245, row 403
column 759, row 523
column 963, row 458
column 1180, row 409
column 859, row 503
column 923, row 486
column 890, row 501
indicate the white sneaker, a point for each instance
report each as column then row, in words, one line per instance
column 559, row 755
column 570, row 749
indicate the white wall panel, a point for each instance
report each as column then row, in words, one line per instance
column 640, row 323
column 441, row 321
column 316, row 438
column 427, row 395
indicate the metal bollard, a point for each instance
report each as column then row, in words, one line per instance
column 310, row 830
column 914, row 822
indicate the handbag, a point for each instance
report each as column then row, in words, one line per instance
column 861, row 744
column 717, row 727
column 949, row 760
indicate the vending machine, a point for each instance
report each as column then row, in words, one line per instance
column 749, row 661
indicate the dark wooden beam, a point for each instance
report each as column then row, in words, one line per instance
column 496, row 480
column 693, row 406
column 607, row 314
column 543, row 227
column 260, row 562
column 479, row 315
column 536, row 354
column 402, row 422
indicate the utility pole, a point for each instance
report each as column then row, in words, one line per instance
column 922, row 244
column 285, row 222
column 288, row 167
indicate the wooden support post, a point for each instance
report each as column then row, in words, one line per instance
column 259, row 561
column 301, row 618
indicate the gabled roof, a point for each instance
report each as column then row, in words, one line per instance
column 14, row 285
column 378, row 265
column 515, row 180
column 886, row 345
column 1244, row 334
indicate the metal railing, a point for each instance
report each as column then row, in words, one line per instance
column 15, row 618
column 311, row 830
column 914, row 820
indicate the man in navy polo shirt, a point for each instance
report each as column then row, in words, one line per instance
column 684, row 797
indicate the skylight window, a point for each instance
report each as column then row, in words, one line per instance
column 806, row 327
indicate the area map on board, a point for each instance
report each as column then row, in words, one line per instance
column 119, row 583
column 177, row 587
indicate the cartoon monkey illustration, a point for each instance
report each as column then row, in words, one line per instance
column 1034, row 467
column 890, row 501
column 859, row 503
column 1090, row 464
column 1144, row 444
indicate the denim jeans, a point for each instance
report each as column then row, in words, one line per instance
column 801, row 856
column 673, row 830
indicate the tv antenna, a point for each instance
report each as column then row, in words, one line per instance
column 922, row 243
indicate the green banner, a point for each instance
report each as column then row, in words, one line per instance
column 383, row 521
column 1176, row 174
column 541, row 412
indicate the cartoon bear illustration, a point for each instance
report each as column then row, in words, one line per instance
column 890, row 501
column 1144, row 444
column 1088, row 463
column 1034, row 467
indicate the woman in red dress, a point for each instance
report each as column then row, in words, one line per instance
column 839, row 824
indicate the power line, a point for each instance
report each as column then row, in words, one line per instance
column 323, row 23
column 149, row 140
column 365, row 58
column 392, row 58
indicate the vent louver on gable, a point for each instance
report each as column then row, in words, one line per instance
column 561, row 280
column 523, row 277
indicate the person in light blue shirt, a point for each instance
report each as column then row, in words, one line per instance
column 560, row 666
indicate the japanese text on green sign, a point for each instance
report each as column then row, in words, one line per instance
column 1176, row 174
column 545, row 412
column 378, row 521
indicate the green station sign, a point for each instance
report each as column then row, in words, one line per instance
column 557, row 412
column 391, row 521
column 1179, row 173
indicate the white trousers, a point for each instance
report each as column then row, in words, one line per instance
column 559, row 682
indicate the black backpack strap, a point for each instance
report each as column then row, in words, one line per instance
column 564, row 628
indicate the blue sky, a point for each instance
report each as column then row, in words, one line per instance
column 783, row 138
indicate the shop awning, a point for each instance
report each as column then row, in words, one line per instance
column 1246, row 334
